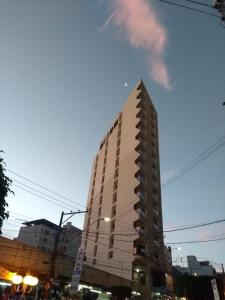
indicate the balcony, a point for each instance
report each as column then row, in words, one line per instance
column 155, row 211
column 140, row 224
column 141, row 136
column 140, row 255
column 141, row 115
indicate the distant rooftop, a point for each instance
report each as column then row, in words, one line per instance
column 41, row 222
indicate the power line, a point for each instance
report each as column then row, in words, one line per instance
column 49, row 196
column 45, row 188
column 196, row 226
column 199, row 3
column 41, row 197
column 201, row 157
column 190, row 8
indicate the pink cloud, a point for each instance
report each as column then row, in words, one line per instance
column 139, row 22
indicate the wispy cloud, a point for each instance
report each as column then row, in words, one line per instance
column 139, row 22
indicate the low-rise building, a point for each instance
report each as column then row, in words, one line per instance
column 41, row 234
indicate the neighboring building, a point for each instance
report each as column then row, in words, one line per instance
column 125, row 186
column 196, row 268
column 42, row 233
column 199, row 268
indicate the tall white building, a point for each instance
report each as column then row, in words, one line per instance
column 125, row 186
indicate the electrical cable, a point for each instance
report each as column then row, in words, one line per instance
column 190, row 8
column 192, row 164
column 45, row 188
column 42, row 197
column 199, row 3
column 37, row 191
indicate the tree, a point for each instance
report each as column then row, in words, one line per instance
column 5, row 184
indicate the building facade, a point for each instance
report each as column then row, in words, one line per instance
column 125, row 187
column 42, row 233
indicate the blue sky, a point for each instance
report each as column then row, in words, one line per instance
column 62, row 83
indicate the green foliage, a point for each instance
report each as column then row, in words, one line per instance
column 5, row 184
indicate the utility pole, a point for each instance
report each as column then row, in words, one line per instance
column 56, row 244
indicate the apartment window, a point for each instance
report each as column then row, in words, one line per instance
column 115, row 124
column 96, row 237
column 105, row 161
column 118, row 142
column 99, row 211
column 112, row 225
column 111, row 241
column 98, row 224
column 95, row 250
column 116, row 173
column 118, row 151
column 46, row 232
column 115, row 185
column 102, row 188
column 110, row 254
column 106, row 151
column 95, row 174
column 113, row 211
column 100, row 200
column 117, row 162
column 103, row 179
column 104, row 170
column 114, row 197
column 92, row 192
column 111, row 130
column 85, row 244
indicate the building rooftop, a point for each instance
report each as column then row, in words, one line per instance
column 41, row 222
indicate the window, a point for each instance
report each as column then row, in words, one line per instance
column 112, row 225
column 111, row 130
column 115, row 124
column 100, row 200
column 114, row 197
column 118, row 142
column 104, row 170
column 118, row 151
column 115, row 185
column 96, row 237
column 98, row 224
column 105, row 161
column 110, row 254
column 47, row 232
column 113, row 211
column 95, row 250
column 92, row 192
column 102, row 188
column 116, row 173
column 119, row 133
column 99, row 211
column 111, row 241
column 103, row 179
column 117, row 162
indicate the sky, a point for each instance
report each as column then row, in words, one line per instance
column 66, row 68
